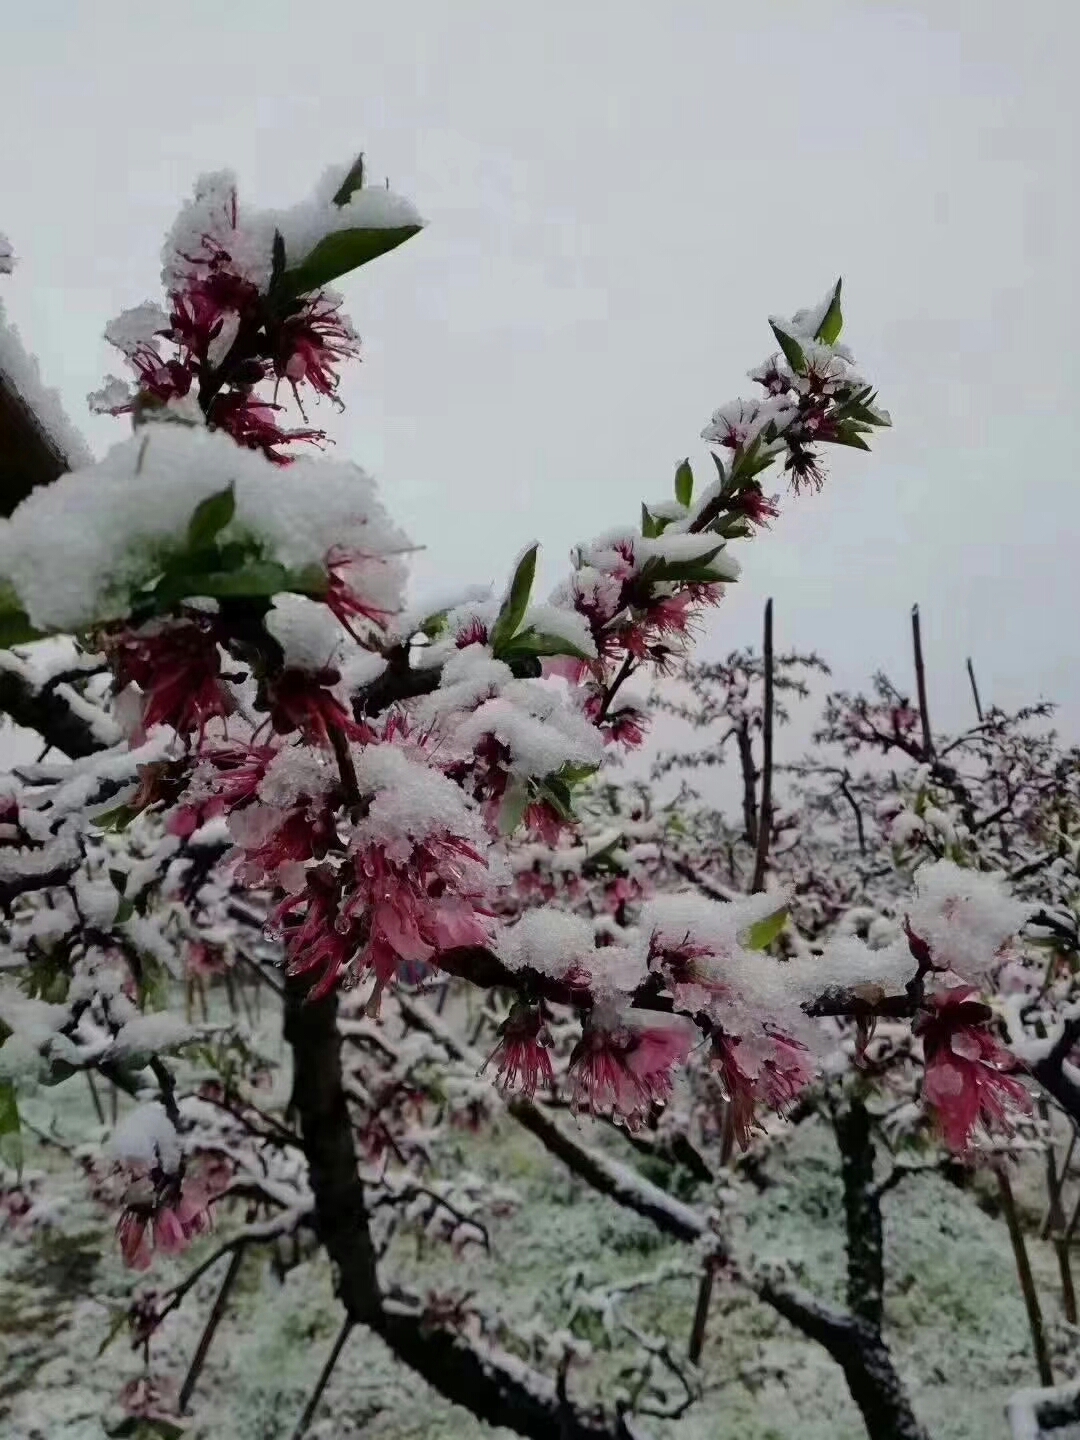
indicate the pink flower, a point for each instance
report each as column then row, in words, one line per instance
column 620, row 891
column 324, row 942
column 178, row 669
column 758, row 508
column 523, row 1059
column 416, row 908
column 625, row 1066
column 967, row 1079
column 545, row 822
column 251, row 422
column 169, row 1208
column 303, row 700
column 739, row 1087
column 202, row 309
column 771, row 1067
column 229, row 776
column 306, row 833
column 136, row 1246
column 312, row 344
column 203, row 959
column 343, row 599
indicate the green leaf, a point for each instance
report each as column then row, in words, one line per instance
column 15, row 628
column 762, row 933
column 684, row 484
column 513, row 608
column 683, row 572
column 210, row 518
column 849, row 435
column 119, row 818
column 124, row 911
column 515, row 802
column 534, row 642
column 793, row 351
column 339, row 253
column 833, row 321
column 353, row 181
column 577, row 774
column 11, row 1149
column 650, row 525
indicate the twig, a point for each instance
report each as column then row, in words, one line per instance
column 974, row 690
column 1027, row 1281
column 920, row 681
column 207, row 1336
column 701, row 1314
column 324, row 1376
column 765, row 811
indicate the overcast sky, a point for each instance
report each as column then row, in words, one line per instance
column 618, row 195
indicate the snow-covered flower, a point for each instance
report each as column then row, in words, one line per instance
column 177, row 666
column 522, row 1056
column 969, row 1077
column 626, row 1066
column 965, row 918
column 312, row 344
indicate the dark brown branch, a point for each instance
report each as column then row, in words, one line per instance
column 765, row 813
column 495, row 1387
column 862, row 1211
column 749, row 779
column 974, row 690
column 210, row 1329
column 920, row 681
column 323, row 1380
column 319, row 1101
column 1027, row 1280
column 49, row 714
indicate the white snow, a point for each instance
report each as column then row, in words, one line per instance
column 307, row 632
column 967, row 917
column 19, row 370
column 151, row 1034
column 146, row 1137
column 216, row 203
column 76, row 549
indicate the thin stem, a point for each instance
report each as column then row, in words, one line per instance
column 1027, row 1280
column 346, row 768
column 320, row 1384
column 625, row 671
column 701, row 1314
column 95, row 1097
column 974, row 690
column 207, row 1336
column 920, row 681
column 765, row 812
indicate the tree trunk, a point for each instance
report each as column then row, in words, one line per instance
column 318, row 1098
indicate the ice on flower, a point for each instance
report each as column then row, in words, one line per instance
column 965, row 917
column 309, row 636
column 75, row 549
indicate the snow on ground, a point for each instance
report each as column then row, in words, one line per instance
column 957, row 1322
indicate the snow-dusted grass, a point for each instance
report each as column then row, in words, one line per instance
column 956, row 1320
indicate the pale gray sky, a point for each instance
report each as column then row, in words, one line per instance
column 618, row 196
